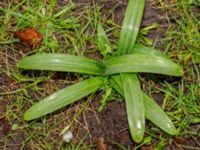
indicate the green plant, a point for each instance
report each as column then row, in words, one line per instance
column 194, row 2
column 118, row 70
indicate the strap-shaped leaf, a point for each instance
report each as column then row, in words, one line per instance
column 131, row 25
column 61, row 62
column 103, row 43
column 115, row 83
column 131, row 85
column 63, row 98
column 153, row 112
column 141, row 49
column 134, row 106
column 142, row 63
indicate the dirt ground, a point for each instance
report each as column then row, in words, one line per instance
column 109, row 125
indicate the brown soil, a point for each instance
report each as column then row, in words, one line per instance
column 111, row 124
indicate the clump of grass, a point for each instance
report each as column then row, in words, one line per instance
column 182, row 42
column 183, row 38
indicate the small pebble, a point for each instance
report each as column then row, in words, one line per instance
column 67, row 137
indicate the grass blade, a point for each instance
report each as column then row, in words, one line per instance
column 63, row 98
column 103, row 43
column 142, row 63
column 61, row 62
column 134, row 106
column 131, row 25
column 153, row 112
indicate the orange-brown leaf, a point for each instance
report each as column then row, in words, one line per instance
column 30, row 37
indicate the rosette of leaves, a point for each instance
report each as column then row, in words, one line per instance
column 118, row 70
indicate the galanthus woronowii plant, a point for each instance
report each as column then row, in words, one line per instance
column 119, row 71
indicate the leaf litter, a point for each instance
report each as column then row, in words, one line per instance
column 30, row 37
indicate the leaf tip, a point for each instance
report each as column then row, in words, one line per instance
column 26, row 117
column 20, row 64
column 173, row 131
column 138, row 137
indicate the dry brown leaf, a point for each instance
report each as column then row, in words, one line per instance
column 30, row 37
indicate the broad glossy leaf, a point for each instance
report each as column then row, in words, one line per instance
column 142, row 63
column 134, row 106
column 61, row 62
column 153, row 112
column 103, row 43
column 63, row 98
column 131, row 25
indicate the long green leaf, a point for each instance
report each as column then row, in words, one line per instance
column 115, row 83
column 103, row 43
column 133, row 97
column 153, row 112
column 142, row 63
column 61, row 62
column 127, row 46
column 131, row 25
column 63, row 98
column 134, row 106
column 141, row 49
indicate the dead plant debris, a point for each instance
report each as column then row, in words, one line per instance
column 100, row 143
column 30, row 37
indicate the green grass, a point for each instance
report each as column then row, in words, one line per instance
column 73, row 32
column 182, row 42
column 185, row 41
